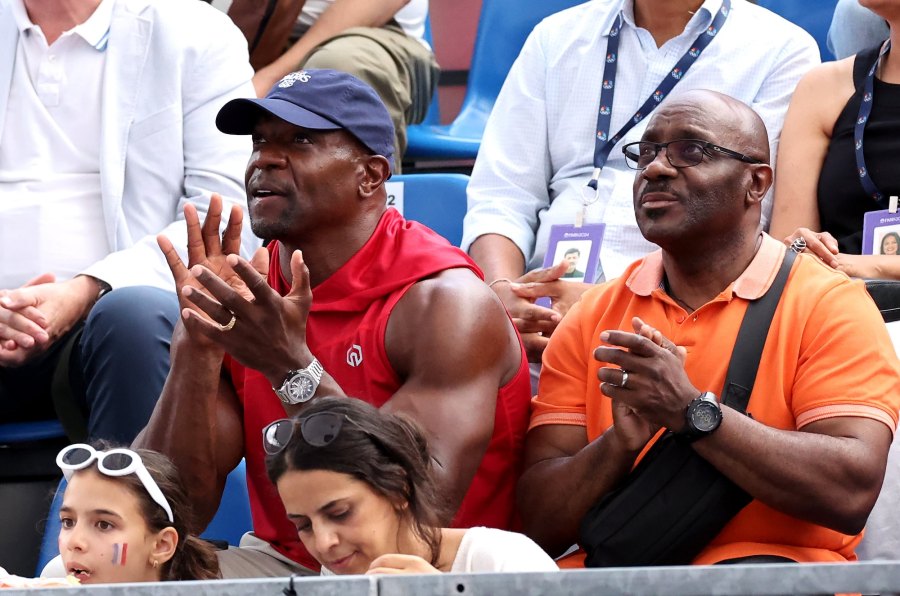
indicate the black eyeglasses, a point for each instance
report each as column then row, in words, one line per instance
column 681, row 153
column 319, row 429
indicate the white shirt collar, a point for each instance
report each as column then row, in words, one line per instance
column 702, row 18
column 95, row 30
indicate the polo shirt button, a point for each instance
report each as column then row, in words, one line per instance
column 681, row 319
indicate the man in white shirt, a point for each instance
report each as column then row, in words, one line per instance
column 381, row 43
column 107, row 130
column 537, row 154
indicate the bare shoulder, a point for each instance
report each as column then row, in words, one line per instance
column 825, row 90
column 455, row 311
column 455, row 294
column 453, row 284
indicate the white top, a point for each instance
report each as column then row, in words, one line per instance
column 488, row 550
column 538, row 148
column 411, row 17
column 169, row 66
column 52, row 218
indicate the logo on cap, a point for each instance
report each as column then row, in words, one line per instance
column 292, row 78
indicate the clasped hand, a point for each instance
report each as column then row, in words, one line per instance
column 268, row 331
column 534, row 322
column 657, row 390
column 40, row 312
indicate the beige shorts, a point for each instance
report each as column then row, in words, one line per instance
column 257, row 558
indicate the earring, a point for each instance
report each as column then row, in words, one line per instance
column 155, row 563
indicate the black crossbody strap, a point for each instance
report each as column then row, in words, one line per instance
column 751, row 339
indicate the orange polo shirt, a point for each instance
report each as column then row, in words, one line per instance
column 828, row 354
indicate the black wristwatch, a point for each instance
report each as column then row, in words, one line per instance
column 701, row 417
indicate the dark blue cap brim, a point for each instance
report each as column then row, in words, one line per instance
column 239, row 116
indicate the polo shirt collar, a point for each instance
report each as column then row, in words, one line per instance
column 753, row 283
column 95, row 30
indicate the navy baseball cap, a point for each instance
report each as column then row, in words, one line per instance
column 318, row 99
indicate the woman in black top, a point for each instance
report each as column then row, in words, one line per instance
column 818, row 191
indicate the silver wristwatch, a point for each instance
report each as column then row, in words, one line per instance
column 300, row 385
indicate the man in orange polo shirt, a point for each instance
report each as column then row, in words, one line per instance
column 637, row 353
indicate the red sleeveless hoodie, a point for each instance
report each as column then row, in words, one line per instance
column 345, row 331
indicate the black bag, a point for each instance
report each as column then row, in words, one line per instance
column 674, row 502
column 886, row 294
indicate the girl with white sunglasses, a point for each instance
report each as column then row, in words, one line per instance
column 125, row 517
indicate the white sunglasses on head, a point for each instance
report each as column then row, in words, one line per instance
column 115, row 462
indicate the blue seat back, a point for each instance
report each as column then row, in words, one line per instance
column 433, row 115
column 233, row 517
column 503, row 27
column 230, row 522
column 814, row 17
column 435, row 200
column 21, row 432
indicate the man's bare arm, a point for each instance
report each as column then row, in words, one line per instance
column 337, row 18
column 197, row 424
column 830, row 473
column 452, row 342
column 197, row 420
column 498, row 257
column 564, row 476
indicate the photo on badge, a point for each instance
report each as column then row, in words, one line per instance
column 881, row 233
column 579, row 247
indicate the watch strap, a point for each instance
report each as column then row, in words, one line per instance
column 690, row 432
column 315, row 370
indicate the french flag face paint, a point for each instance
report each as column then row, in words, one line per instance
column 119, row 553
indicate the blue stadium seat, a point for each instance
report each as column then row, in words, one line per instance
column 231, row 520
column 23, row 432
column 502, row 29
column 436, row 200
column 814, row 17
column 233, row 517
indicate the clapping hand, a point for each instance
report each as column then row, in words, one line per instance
column 636, row 397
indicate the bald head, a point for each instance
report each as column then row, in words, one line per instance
column 729, row 122
column 716, row 198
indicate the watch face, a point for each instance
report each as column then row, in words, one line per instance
column 301, row 387
column 705, row 416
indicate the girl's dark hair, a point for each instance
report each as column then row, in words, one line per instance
column 386, row 451
column 194, row 558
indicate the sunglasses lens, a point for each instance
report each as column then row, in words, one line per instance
column 321, row 429
column 277, row 435
column 76, row 456
column 116, row 462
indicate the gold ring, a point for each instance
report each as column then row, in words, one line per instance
column 230, row 324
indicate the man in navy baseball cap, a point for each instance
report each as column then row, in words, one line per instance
column 347, row 299
column 318, row 100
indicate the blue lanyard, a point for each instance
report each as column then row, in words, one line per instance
column 865, row 109
column 603, row 144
